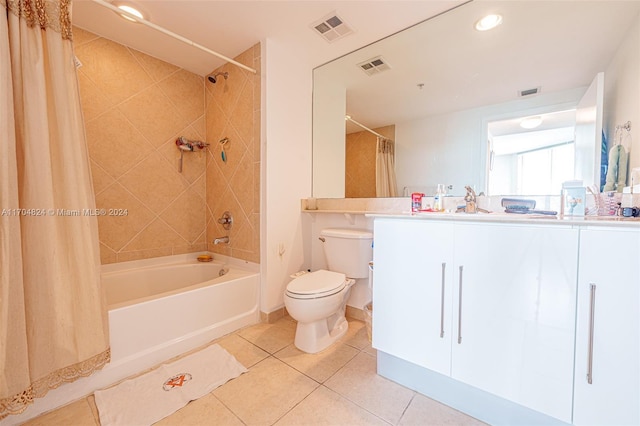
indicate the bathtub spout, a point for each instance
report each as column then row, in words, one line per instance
column 221, row 240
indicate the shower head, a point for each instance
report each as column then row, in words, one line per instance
column 213, row 77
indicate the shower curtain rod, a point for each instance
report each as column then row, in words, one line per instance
column 348, row 117
column 172, row 34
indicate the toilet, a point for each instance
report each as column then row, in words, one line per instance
column 317, row 300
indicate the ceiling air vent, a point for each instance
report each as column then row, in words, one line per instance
column 374, row 65
column 332, row 27
column 528, row 92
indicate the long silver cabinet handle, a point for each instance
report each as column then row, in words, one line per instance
column 460, row 307
column 592, row 310
column 444, row 267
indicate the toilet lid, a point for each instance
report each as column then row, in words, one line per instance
column 318, row 282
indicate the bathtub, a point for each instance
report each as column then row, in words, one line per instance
column 162, row 307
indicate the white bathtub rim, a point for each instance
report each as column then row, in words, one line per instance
column 179, row 258
column 229, row 277
column 194, row 335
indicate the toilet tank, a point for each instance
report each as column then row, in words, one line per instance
column 348, row 251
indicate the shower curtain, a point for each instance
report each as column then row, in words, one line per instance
column 386, row 169
column 53, row 322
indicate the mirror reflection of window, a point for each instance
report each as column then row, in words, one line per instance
column 534, row 159
column 542, row 171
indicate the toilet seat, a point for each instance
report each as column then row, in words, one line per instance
column 314, row 285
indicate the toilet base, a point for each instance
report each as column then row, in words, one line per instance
column 316, row 336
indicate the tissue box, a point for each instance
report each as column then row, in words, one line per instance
column 574, row 201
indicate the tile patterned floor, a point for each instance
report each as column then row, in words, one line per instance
column 284, row 386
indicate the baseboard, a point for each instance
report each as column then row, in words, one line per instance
column 354, row 313
column 271, row 317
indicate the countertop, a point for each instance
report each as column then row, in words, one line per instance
column 500, row 217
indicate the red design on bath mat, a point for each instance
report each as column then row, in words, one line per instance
column 176, row 381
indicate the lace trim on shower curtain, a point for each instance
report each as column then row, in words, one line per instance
column 55, row 15
column 18, row 403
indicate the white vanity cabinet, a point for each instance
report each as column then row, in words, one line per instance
column 514, row 325
column 413, row 263
column 505, row 322
column 607, row 375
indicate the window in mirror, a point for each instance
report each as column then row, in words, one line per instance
column 526, row 160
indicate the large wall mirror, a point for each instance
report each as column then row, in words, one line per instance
column 453, row 99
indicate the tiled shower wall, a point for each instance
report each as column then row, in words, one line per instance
column 135, row 106
column 233, row 113
column 360, row 159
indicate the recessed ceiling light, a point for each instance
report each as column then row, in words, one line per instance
column 531, row 122
column 131, row 10
column 488, row 22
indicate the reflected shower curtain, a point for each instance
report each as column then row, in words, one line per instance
column 53, row 323
column 386, row 169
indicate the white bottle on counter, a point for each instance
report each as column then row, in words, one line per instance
column 438, row 201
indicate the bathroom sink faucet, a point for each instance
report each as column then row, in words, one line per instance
column 470, row 202
column 221, row 240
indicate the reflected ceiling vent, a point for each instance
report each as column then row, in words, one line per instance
column 332, row 27
column 374, row 65
column 528, row 92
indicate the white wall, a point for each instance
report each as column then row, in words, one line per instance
column 456, row 143
column 287, row 85
column 287, row 168
column 329, row 154
column 622, row 91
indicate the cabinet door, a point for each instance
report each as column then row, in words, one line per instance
column 514, row 333
column 412, row 291
column 607, row 376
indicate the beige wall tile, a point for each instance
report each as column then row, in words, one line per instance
column 126, row 256
column 192, row 248
column 158, row 235
column 116, row 231
column 241, row 116
column 215, row 121
column 235, row 185
column 186, row 215
column 115, row 144
column 156, row 68
column 186, row 92
column 93, row 101
column 112, row 67
column 107, row 255
column 154, row 182
column 242, row 184
column 101, row 179
column 135, row 107
column 81, row 36
column 193, row 163
column 154, row 115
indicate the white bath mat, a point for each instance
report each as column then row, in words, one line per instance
column 153, row 396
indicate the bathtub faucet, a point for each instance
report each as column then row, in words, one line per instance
column 221, row 240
